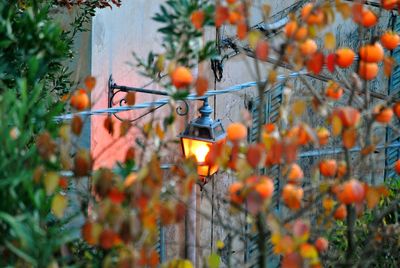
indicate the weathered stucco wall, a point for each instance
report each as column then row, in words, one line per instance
column 116, row 34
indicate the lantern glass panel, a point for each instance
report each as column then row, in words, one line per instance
column 196, row 148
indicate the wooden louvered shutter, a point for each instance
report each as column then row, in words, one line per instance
column 273, row 100
column 392, row 154
column 160, row 244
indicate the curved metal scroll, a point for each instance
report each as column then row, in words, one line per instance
column 114, row 89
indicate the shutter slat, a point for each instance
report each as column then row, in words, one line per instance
column 273, row 99
column 393, row 154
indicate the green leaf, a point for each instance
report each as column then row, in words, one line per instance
column 180, row 95
column 21, row 253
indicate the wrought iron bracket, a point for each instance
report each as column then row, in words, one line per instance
column 114, row 89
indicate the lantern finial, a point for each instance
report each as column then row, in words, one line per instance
column 205, row 111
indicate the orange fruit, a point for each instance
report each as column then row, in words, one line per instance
column 312, row 15
column 295, row 173
column 334, row 91
column 397, row 166
column 301, row 34
column 351, row 191
column 368, row 70
column 390, row 40
column 372, row 52
column 299, row 134
column 321, row 244
column 328, row 167
column 341, row 169
column 328, row 204
column 291, row 28
column 383, row 114
column 197, row 19
column 389, row 4
column 234, row 17
column 308, row 47
column 235, row 193
column 396, row 109
column 349, row 116
column 264, row 188
column 80, row 100
column 181, row 77
column 323, row 136
column 292, row 196
column 236, row 132
column 368, row 18
column 340, row 212
column 344, row 57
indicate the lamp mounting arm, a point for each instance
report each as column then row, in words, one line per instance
column 114, row 89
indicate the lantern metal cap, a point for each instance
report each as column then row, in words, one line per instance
column 204, row 127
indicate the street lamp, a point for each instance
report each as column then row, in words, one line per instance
column 199, row 136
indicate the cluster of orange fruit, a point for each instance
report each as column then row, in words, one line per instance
column 80, row 99
column 233, row 13
column 370, row 55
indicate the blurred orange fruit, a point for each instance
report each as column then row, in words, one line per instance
column 396, row 109
column 344, row 57
column 372, row 52
column 397, row 166
column 236, row 132
column 292, row 196
column 389, row 4
column 383, row 114
column 312, row 15
column 181, row 77
column 321, row 244
column 334, row 91
column 390, row 40
column 291, row 28
column 368, row 18
column 340, row 212
column 265, row 188
column 368, row 70
column 308, row 47
column 80, row 100
column 295, row 173
column 235, row 193
column 328, row 167
column 351, row 191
